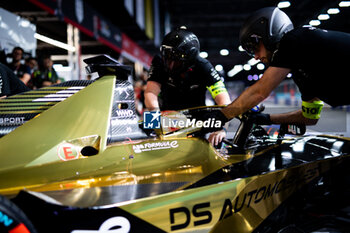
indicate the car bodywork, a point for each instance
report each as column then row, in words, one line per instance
column 74, row 158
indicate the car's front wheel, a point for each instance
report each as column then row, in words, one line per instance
column 12, row 218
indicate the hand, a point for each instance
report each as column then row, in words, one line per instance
column 260, row 118
column 216, row 137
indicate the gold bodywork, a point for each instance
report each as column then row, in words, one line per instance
column 44, row 155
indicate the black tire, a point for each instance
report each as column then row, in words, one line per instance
column 12, row 218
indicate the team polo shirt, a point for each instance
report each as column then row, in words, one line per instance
column 188, row 89
column 319, row 60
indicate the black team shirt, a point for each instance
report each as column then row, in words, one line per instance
column 10, row 84
column 320, row 63
column 183, row 92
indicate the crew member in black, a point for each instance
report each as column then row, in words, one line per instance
column 21, row 70
column 316, row 59
column 181, row 77
column 10, row 84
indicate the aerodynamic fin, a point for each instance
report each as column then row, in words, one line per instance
column 18, row 109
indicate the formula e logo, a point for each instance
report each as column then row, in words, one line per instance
column 151, row 120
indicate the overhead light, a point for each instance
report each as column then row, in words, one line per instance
column 224, row 52
column 344, row 3
column 219, row 67
column 283, row 4
column 55, row 42
column 253, row 77
column 315, row 22
column 253, row 61
column 323, row 16
column 240, row 48
column 236, row 69
column 333, row 11
column 260, row 66
column 247, row 67
column 203, row 54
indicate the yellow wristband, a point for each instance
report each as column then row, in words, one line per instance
column 312, row 110
column 217, row 88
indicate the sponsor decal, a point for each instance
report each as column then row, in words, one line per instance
column 11, row 121
column 12, row 224
column 267, row 192
column 115, row 121
column 198, row 211
column 124, row 113
column 155, row 146
column 5, row 219
column 200, row 214
column 112, row 225
column 67, row 152
column 122, row 90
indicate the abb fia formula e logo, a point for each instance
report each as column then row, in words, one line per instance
column 155, row 146
column 109, row 226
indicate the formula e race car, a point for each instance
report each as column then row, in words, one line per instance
column 76, row 158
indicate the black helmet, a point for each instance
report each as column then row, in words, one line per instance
column 180, row 45
column 268, row 25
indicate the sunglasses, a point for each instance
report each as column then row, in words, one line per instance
column 169, row 53
column 251, row 45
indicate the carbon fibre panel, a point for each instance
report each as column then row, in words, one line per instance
column 18, row 109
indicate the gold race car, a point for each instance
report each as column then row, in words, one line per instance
column 76, row 158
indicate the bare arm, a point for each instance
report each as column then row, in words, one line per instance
column 25, row 78
column 295, row 117
column 151, row 95
column 222, row 99
column 257, row 92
